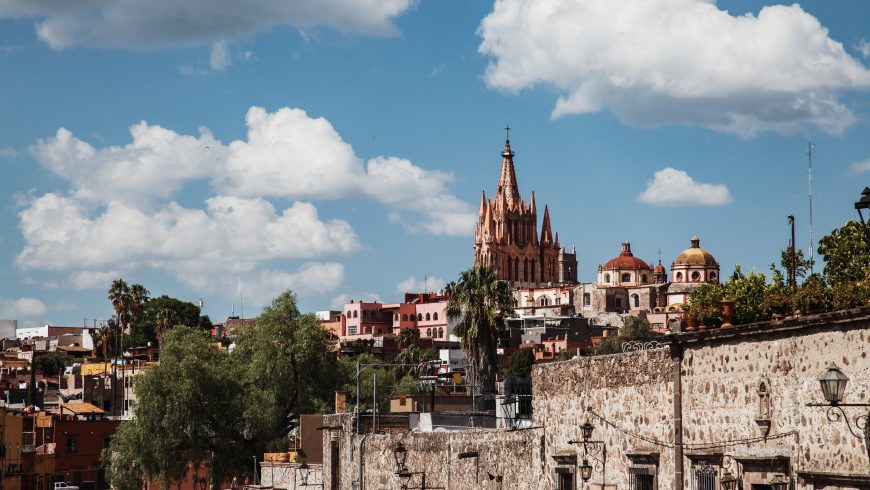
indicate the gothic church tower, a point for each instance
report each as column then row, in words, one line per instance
column 507, row 237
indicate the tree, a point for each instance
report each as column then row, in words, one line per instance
column 845, row 253
column 128, row 303
column 215, row 408
column 634, row 329
column 51, row 364
column 104, row 340
column 479, row 303
column 165, row 321
column 802, row 265
column 522, row 361
column 183, row 313
column 408, row 337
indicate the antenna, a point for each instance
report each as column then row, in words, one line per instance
column 425, row 283
column 200, row 303
column 810, row 176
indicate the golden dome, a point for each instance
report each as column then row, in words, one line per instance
column 695, row 255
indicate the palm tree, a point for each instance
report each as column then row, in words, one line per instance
column 139, row 296
column 480, row 302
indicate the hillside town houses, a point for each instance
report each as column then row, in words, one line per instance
column 722, row 408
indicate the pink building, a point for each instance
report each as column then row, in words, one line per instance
column 424, row 311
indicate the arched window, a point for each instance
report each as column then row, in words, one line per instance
column 712, row 276
column 587, row 299
column 419, row 317
column 396, row 317
column 435, row 316
column 679, row 277
column 428, row 317
column 635, row 300
column 626, row 277
column 428, row 332
column 404, row 317
column 606, row 278
column 644, row 279
column 696, row 276
column 354, row 314
column 440, row 333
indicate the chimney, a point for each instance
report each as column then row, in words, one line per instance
column 340, row 401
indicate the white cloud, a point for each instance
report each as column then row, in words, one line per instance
column 230, row 234
column 15, row 309
column 653, row 63
column 220, row 56
column 155, row 165
column 673, row 187
column 859, row 167
column 134, row 24
column 863, row 47
column 92, row 279
column 8, row 153
column 339, row 301
column 414, row 285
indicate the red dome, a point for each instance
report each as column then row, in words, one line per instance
column 626, row 260
column 660, row 268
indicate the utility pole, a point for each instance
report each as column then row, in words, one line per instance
column 792, row 279
column 810, row 176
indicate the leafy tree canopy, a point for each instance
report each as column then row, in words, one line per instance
column 51, row 364
column 845, row 253
column 522, row 361
column 183, row 313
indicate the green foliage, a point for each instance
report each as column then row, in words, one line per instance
column 51, row 364
column 370, row 376
column 813, row 295
column 522, row 361
column 845, row 253
column 747, row 290
column 634, row 328
column 479, row 302
column 203, row 405
column 408, row 337
column 802, row 266
column 173, row 312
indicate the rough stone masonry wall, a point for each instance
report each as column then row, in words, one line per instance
column 633, row 391
column 721, row 400
column 514, row 455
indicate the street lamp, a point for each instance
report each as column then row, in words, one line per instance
column 401, row 455
column 585, row 470
column 780, row 482
column 304, row 470
column 586, row 430
column 833, row 384
column 728, row 481
column 590, row 449
column 864, row 203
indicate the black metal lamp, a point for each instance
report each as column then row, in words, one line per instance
column 833, row 383
column 861, row 204
column 401, row 455
column 585, row 470
column 586, row 430
column 728, row 481
column 304, row 470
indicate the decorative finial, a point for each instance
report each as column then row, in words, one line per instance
column 507, row 132
column 660, row 256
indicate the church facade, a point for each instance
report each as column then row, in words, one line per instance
column 507, row 238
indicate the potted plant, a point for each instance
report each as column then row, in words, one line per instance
column 813, row 296
column 777, row 305
column 726, row 308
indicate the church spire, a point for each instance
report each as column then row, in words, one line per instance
column 507, row 181
column 482, row 203
column 546, row 232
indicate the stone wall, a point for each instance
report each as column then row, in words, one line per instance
column 288, row 476
column 743, row 393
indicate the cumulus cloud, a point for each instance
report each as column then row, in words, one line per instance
column 673, row 187
column 653, row 63
column 859, row 167
column 863, row 48
column 414, row 285
column 134, row 24
column 92, row 279
column 14, row 309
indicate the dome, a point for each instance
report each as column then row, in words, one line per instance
column 695, row 255
column 626, row 260
column 660, row 269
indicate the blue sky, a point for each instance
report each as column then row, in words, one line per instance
column 339, row 147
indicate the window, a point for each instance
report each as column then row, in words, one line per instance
column 72, row 443
column 428, row 317
column 679, row 277
column 587, row 299
column 607, row 278
column 440, row 333
column 428, row 332
column 404, row 317
column 644, row 279
column 626, row 278
column 351, row 330
column 354, row 313
column 696, row 276
column 396, row 317
column 635, row 299
column 712, row 276
column 642, row 478
column 419, row 317
column 703, row 477
column 435, row 316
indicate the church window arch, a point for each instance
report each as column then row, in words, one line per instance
column 440, row 333
column 354, row 313
column 712, row 276
column 428, row 332
column 607, row 278
column 626, row 277
column 419, row 317
column 635, row 300
column 644, row 279
column 428, row 317
column 587, row 299
column 696, row 276
column 435, row 316
column 679, row 276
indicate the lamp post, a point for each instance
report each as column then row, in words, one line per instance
column 833, row 384
column 728, row 481
column 860, row 205
column 304, row 473
column 591, row 449
column 401, row 455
